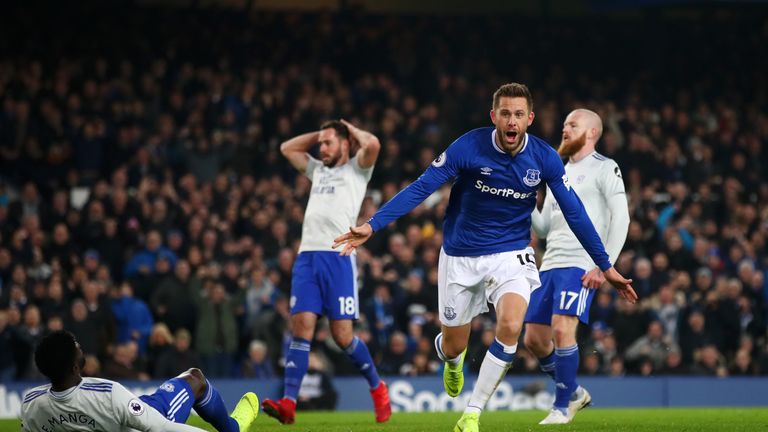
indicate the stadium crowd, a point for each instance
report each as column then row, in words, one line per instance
column 145, row 206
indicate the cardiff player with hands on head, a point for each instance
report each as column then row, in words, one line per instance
column 486, row 257
column 324, row 283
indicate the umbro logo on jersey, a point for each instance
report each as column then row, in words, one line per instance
column 486, row 171
column 290, row 364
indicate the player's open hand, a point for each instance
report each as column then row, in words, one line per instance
column 622, row 285
column 354, row 238
column 593, row 279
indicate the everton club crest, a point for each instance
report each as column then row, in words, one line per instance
column 532, row 177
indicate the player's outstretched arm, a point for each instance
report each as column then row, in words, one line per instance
column 296, row 148
column 368, row 143
column 352, row 239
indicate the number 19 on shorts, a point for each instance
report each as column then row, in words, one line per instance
column 347, row 305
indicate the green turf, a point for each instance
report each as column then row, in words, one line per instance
column 592, row 419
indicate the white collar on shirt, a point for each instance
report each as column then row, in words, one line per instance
column 498, row 149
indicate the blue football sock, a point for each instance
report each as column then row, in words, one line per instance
column 361, row 357
column 211, row 408
column 547, row 364
column 296, row 365
column 566, row 365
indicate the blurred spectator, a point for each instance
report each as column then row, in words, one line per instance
column 29, row 334
column 86, row 331
column 316, row 391
column 694, row 336
column 742, row 364
column 216, row 337
column 673, row 364
column 124, row 364
column 173, row 299
column 92, row 367
column 654, row 346
column 709, row 362
column 257, row 365
column 180, row 357
column 143, row 262
column 7, row 345
column 132, row 317
column 396, row 355
column 616, row 367
column 160, row 341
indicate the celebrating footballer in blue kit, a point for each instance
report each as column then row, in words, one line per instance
column 325, row 283
column 567, row 273
column 486, row 257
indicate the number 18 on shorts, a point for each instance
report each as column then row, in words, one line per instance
column 325, row 283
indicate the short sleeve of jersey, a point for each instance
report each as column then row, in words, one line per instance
column 365, row 172
column 611, row 181
column 312, row 165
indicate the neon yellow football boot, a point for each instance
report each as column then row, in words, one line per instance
column 469, row 422
column 246, row 411
column 453, row 376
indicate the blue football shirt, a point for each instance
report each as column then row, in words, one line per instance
column 493, row 195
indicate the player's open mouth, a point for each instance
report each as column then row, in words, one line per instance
column 511, row 135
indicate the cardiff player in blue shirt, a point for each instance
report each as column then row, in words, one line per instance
column 486, row 257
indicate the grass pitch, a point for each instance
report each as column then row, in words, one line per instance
column 592, row 419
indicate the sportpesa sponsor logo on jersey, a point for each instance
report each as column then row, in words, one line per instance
column 504, row 192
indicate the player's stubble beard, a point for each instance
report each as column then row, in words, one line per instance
column 508, row 148
column 570, row 148
column 331, row 161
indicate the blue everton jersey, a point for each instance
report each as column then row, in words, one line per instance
column 493, row 195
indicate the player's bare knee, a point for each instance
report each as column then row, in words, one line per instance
column 536, row 344
column 564, row 334
column 196, row 380
column 342, row 338
column 303, row 326
column 509, row 328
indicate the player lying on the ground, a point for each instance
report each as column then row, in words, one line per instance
column 73, row 403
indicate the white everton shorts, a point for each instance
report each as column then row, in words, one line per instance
column 466, row 285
